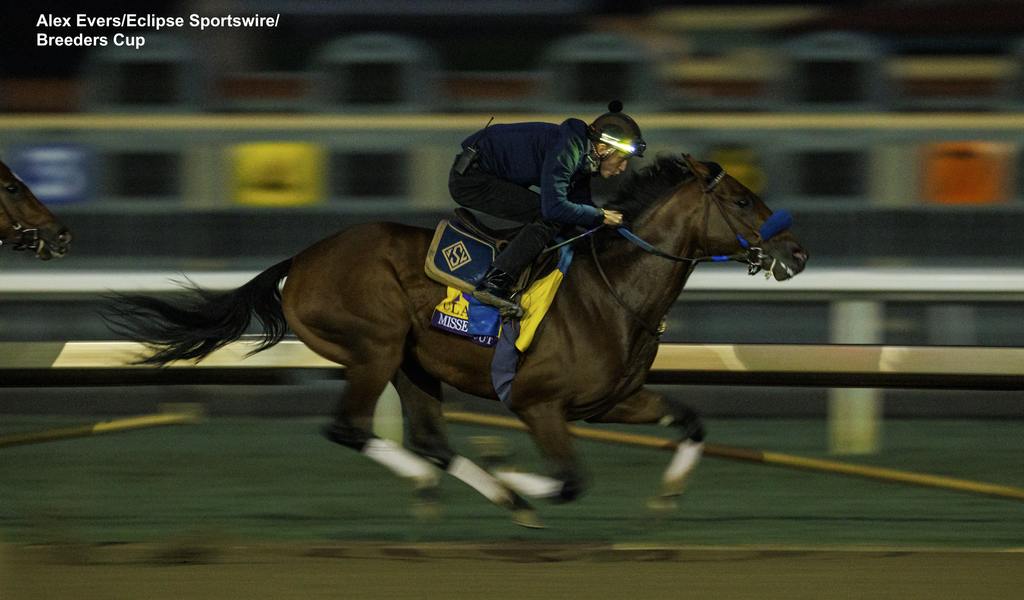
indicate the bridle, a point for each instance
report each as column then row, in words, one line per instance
column 28, row 237
column 753, row 254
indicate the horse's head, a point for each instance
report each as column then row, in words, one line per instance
column 26, row 223
column 738, row 223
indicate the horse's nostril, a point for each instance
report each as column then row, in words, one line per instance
column 64, row 237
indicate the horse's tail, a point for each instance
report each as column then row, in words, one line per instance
column 205, row 321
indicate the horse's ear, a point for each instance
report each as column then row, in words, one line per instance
column 695, row 166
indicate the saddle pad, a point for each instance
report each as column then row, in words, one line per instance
column 464, row 315
column 457, row 258
column 538, row 298
column 516, row 336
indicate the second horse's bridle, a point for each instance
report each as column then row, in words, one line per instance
column 28, row 237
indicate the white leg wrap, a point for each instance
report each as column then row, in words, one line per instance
column 472, row 475
column 530, row 484
column 400, row 461
column 683, row 462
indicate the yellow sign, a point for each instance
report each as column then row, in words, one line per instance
column 277, row 173
column 743, row 164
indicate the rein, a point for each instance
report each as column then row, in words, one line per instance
column 754, row 256
column 571, row 240
column 654, row 331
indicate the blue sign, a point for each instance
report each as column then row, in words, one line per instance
column 56, row 173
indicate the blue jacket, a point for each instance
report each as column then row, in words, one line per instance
column 551, row 157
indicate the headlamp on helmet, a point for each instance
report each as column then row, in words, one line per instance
column 618, row 130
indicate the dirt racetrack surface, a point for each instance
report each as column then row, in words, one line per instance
column 265, row 508
column 278, row 571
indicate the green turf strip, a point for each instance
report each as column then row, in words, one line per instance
column 252, row 479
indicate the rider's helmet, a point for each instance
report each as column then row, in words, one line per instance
column 618, row 130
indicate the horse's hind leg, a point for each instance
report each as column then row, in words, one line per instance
column 426, row 435
column 647, row 407
column 353, row 424
column 425, row 432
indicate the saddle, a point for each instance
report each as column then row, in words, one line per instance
column 498, row 237
column 460, row 253
column 463, row 249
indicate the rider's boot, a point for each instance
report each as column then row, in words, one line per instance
column 496, row 290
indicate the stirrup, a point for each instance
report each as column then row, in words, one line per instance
column 507, row 308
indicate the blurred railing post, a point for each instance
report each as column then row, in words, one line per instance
column 387, row 417
column 854, row 414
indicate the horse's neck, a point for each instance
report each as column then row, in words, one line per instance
column 648, row 284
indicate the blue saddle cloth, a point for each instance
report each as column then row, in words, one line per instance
column 458, row 258
column 462, row 314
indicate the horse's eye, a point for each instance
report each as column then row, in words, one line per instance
column 743, row 202
column 12, row 188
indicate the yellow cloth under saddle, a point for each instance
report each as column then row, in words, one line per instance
column 536, row 301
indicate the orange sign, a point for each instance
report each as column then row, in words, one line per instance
column 967, row 172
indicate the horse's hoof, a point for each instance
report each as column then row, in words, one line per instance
column 426, row 511
column 426, row 506
column 572, row 489
column 517, row 502
column 494, row 451
column 527, row 518
column 662, row 504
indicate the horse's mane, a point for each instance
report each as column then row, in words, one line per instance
column 649, row 184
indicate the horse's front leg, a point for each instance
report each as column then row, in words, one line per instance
column 646, row 407
column 550, row 432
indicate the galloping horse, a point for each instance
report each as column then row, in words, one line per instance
column 361, row 298
column 26, row 223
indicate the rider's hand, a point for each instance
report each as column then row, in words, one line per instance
column 612, row 217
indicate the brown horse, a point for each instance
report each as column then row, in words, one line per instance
column 25, row 223
column 360, row 298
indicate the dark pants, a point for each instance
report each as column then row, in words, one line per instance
column 494, row 196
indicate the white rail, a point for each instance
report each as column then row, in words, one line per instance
column 716, row 278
